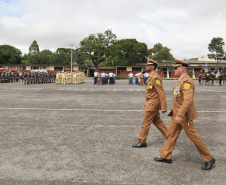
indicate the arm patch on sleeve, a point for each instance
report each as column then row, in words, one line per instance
column 187, row 86
column 157, row 82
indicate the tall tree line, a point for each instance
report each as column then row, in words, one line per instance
column 99, row 49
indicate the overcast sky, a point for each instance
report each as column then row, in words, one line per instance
column 184, row 26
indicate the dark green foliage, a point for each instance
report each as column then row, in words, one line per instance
column 95, row 47
column 160, row 53
column 34, row 48
column 127, row 52
column 216, row 48
column 9, row 55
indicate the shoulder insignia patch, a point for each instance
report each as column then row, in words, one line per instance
column 155, row 76
column 187, row 85
column 185, row 79
column 157, row 82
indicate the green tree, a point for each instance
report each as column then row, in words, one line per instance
column 127, row 52
column 160, row 53
column 66, row 50
column 62, row 58
column 34, row 48
column 79, row 57
column 10, row 55
column 216, row 49
column 25, row 59
column 33, row 55
column 95, row 46
column 46, row 57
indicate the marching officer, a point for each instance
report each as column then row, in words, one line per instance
column 155, row 100
column 182, row 117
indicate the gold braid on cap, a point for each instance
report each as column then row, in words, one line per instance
column 177, row 65
column 150, row 63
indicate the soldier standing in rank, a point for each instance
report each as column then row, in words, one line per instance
column 142, row 78
column 111, row 80
column 95, row 78
column 182, row 117
column 130, row 78
column 99, row 79
column 223, row 75
column 136, row 77
column 63, row 78
column 74, row 78
column 146, row 75
column 102, row 78
column 114, row 75
column 212, row 77
column 220, row 76
column 155, row 100
column 105, row 78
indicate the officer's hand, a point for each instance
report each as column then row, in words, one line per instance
column 177, row 119
column 163, row 111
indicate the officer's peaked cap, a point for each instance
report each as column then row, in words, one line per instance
column 180, row 63
column 151, row 62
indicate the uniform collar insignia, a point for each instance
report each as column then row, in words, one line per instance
column 155, row 76
column 185, row 79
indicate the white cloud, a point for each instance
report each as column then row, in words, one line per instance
column 186, row 27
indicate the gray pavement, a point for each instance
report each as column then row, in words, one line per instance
column 82, row 134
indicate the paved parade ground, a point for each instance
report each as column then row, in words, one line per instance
column 83, row 135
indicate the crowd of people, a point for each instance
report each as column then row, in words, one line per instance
column 43, row 77
column 8, row 76
column 140, row 78
column 211, row 77
column 38, row 77
column 70, row 78
column 104, row 78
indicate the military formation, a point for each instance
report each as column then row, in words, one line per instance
column 104, row 78
column 70, row 78
column 43, row 77
column 8, row 76
column 140, row 78
column 38, row 78
column 212, row 77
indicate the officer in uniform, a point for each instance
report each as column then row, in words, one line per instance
column 63, row 78
column 155, row 100
column 99, row 79
column 142, row 78
column 182, row 117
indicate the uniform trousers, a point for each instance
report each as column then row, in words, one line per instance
column 99, row 81
column 130, row 80
column 141, row 81
column 173, row 133
column 149, row 117
column 63, row 81
column 95, row 80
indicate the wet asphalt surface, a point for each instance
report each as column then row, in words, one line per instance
column 82, row 134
